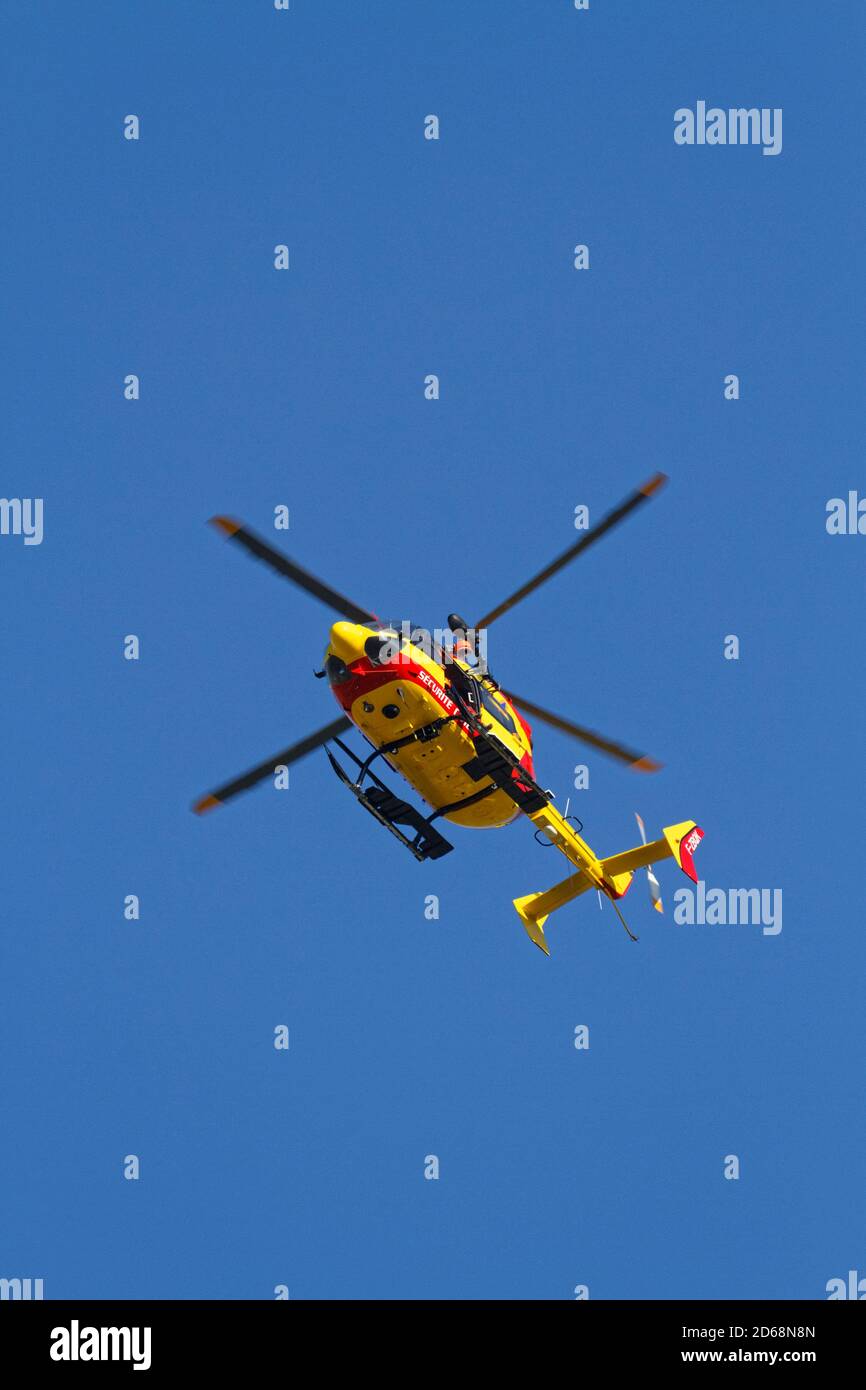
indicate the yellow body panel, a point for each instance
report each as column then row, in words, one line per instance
column 435, row 768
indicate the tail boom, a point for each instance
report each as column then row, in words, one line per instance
column 611, row 876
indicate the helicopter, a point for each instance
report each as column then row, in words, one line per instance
column 430, row 710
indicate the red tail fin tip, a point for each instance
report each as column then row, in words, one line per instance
column 688, row 845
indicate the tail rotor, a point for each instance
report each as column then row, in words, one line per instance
column 654, row 889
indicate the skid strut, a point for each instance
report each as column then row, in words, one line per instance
column 390, row 810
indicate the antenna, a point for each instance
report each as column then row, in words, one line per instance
column 622, row 919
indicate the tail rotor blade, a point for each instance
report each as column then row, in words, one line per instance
column 654, row 887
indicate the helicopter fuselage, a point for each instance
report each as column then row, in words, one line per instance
column 392, row 698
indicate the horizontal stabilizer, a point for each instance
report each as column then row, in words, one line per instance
column 611, row 876
column 534, row 925
column 535, row 908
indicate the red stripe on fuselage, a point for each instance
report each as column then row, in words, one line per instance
column 365, row 677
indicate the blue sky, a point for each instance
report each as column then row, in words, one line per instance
column 411, row 1037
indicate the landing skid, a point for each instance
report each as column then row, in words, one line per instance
column 390, row 810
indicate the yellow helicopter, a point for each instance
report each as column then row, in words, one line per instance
column 430, row 709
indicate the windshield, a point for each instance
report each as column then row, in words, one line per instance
column 498, row 711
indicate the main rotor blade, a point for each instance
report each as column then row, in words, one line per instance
column 262, row 551
column 587, row 539
column 638, row 761
column 266, row 769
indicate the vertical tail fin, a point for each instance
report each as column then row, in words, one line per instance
column 683, row 840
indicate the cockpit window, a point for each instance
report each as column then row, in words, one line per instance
column 498, row 711
column 337, row 670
